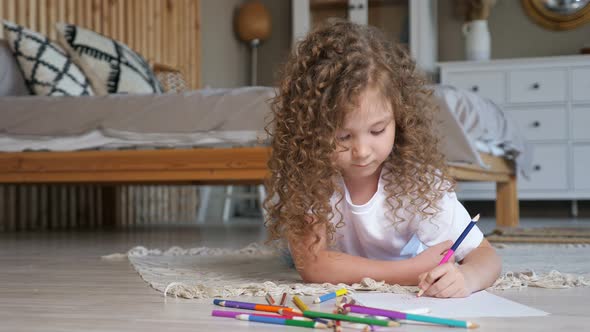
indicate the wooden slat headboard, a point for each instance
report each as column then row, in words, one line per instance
column 162, row 31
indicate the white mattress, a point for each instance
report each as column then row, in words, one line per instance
column 224, row 117
column 96, row 139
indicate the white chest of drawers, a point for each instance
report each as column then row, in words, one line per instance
column 549, row 100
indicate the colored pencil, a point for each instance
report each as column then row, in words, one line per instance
column 281, row 321
column 330, row 296
column 290, row 312
column 283, row 299
column 451, row 251
column 299, row 303
column 269, row 299
column 252, row 306
column 302, row 306
column 459, row 240
column 342, row 300
column 233, row 314
column 348, row 318
column 391, row 314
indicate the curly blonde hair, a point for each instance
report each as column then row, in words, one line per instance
column 320, row 83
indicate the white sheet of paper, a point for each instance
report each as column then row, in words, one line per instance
column 480, row 304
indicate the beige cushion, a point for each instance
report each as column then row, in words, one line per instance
column 46, row 67
column 111, row 66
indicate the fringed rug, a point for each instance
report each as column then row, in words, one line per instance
column 540, row 235
column 256, row 270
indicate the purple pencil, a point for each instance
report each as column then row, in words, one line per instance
column 401, row 315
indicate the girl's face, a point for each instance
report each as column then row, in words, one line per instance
column 366, row 138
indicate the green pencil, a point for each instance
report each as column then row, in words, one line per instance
column 356, row 319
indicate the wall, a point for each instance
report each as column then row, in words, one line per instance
column 225, row 61
column 513, row 34
column 274, row 51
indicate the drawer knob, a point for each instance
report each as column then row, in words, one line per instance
column 536, row 124
column 475, row 88
column 537, row 168
column 536, row 86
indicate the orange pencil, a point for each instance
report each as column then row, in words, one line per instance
column 253, row 306
column 290, row 311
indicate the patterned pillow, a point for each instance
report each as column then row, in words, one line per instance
column 172, row 81
column 111, row 66
column 46, row 67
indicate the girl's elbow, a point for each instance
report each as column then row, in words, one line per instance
column 310, row 275
column 313, row 271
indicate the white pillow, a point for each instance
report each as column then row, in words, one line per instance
column 46, row 67
column 111, row 66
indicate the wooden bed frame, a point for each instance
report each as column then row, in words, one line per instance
column 168, row 32
column 203, row 166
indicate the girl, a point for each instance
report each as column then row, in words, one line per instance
column 357, row 186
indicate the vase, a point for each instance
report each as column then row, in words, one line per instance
column 477, row 40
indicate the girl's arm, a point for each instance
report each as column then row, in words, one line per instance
column 323, row 265
column 482, row 266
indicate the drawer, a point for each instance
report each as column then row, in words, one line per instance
column 581, row 83
column 476, row 186
column 532, row 86
column 582, row 167
column 549, row 168
column 467, row 191
column 487, row 84
column 540, row 124
column 580, row 123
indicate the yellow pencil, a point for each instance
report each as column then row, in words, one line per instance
column 299, row 303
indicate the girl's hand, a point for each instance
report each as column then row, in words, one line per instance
column 447, row 280
column 429, row 258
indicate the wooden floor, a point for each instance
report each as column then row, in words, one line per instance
column 57, row 282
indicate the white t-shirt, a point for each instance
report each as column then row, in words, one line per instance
column 368, row 233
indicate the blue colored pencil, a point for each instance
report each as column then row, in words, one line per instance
column 330, row 296
column 281, row 321
column 459, row 240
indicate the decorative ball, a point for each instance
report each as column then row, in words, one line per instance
column 253, row 21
